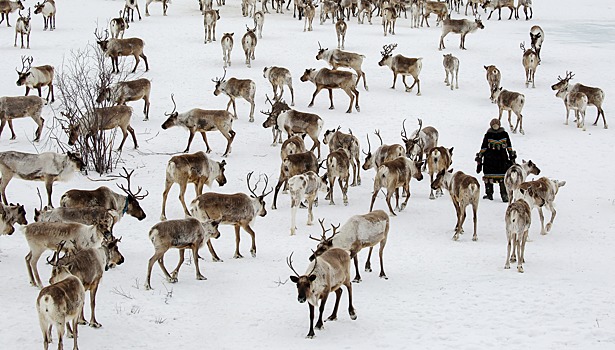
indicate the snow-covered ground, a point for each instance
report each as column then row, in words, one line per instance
column 440, row 293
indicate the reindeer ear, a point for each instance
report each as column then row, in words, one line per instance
column 561, row 183
column 450, row 170
column 522, row 191
column 312, row 278
column 295, row 279
column 486, row 68
column 450, row 150
column 215, row 223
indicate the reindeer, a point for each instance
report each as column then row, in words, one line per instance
column 339, row 140
column 118, row 26
column 259, row 20
column 234, row 88
column 389, row 16
column 527, row 4
column 384, row 153
column 278, row 77
column 129, row 10
column 537, row 36
column 498, row 4
column 128, row 91
column 540, row 193
column 327, row 274
column 294, row 164
column 35, row 77
column 440, row 9
column 299, row 6
column 86, row 216
column 512, row 102
column 530, row 63
column 248, row 8
column 340, row 30
column 205, row 5
column 338, row 58
column 182, row 234
column 438, row 159
column 293, row 122
column 459, row 26
column 239, row 210
column 227, row 47
column 392, row 175
column 42, row 236
column 195, row 168
column 114, row 48
column 403, row 65
column 310, row 11
column 360, row 231
column 165, row 5
column 415, row 13
column 306, row 186
column 59, row 304
column 451, row 65
column 518, row 220
column 333, row 79
column 48, row 10
column 88, row 265
column 210, row 17
column 338, row 166
column 11, row 215
column 46, row 166
column 292, row 145
column 493, row 77
column 19, row 107
column 474, row 4
column 595, row 96
column 104, row 197
column 464, row 190
column 7, row 7
column 516, row 175
column 328, row 7
column 105, row 118
column 365, row 9
column 22, row 27
column 421, row 141
column 248, row 42
column 202, row 121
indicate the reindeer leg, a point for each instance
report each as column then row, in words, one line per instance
column 237, row 239
column 310, row 334
column 351, row 310
column 182, row 192
column 381, row 251
column 394, row 79
column 458, row 225
column 205, row 140
column 93, row 322
column 331, row 99
column 168, row 183
column 388, row 200
column 407, row 190
column 542, row 221
column 195, row 254
column 508, row 246
column 214, row 256
column 189, row 141
column 2, row 124
column 134, row 137
column 170, row 278
column 13, row 136
column 338, row 297
column 253, row 234
column 34, row 269
column 230, row 136
column 49, row 188
column 356, row 106
column 4, row 181
column 551, row 208
column 321, row 309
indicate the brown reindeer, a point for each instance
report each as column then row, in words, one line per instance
column 202, row 121
column 537, row 37
column 278, row 77
column 530, row 63
column 384, row 153
column 35, row 77
column 227, row 47
column 105, row 118
column 340, row 31
column 210, row 18
column 538, row 194
column 118, row 26
column 292, row 145
column 114, row 48
column 400, row 64
column 440, row 9
column 165, row 5
column 512, row 102
column 239, row 210
column 333, row 79
column 338, row 166
column 104, row 197
column 392, row 175
column 438, row 159
column 23, row 27
column 338, row 58
column 327, row 273
column 518, row 220
column 11, row 215
column 128, row 91
column 451, row 66
column 595, row 96
column 493, row 77
column 248, row 42
column 182, row 234
column 194, row 168
column 339, row 140
column 516, row 175
column 499, row 4
column 20, row 107
column 464, row 190
column 235, row 88
column 294, row 164
column 389, row 17
column 459, row 26
column 88, row 265
column 129, row 10
column 527, row 4
column 360, row 231
column 310, row 11
column 7, row 7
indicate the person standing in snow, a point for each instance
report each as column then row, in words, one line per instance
column 495, row 157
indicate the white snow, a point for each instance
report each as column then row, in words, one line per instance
column 440, row 293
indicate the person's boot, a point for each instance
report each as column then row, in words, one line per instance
column 503, row 192
column 488, row 191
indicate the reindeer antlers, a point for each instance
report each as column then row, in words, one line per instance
column 174, row 106
column 219, row 80
column 569, row 76
column 25, row 61
column 522, row 46
column 99, row 36
column 128, row 191
column 369, row 147
column 403, row 132
column 56, row 255
column 263, row 194
column 377, row 132
column 289, row 262
column 388, row 49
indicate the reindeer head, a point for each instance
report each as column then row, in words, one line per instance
column 495, row 93
column 562, row 84
column 60, row 265
column 369, row 160
column 103, row 94
column 321, row 53
column 20, row 5
column 15, row 213
column 261, row 198
column 414, row 146
column 38, row 8
column 113, row 255
column 73, row 131
column 531, row 167
column 103, row 42
column 25, row 19
column 24, row 73
column 172, row 117
column 220, row 84
column 441, row 179
column 329, row 135
column 132, row 207
column 534, row 37
column 221, row 179
column 324, row 243
column 303, row 282
column 479, row 23
column 76, row 160
column 307, row 75
column 386, row 54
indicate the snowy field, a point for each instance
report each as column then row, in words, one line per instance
column 440, row 294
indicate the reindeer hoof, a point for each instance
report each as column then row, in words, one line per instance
column 201, row 278
column 332, row 318
column 520, row 269
column 475, row 238
column 82, row 322
column 253, row 253
column 368, row 269
column 506, row 267
column 95, row 324
column 353, row 316
column 237, row 256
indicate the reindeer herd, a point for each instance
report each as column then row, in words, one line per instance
column 80, row 231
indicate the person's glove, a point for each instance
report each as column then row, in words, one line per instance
column 512, row 156
column 479, row 162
